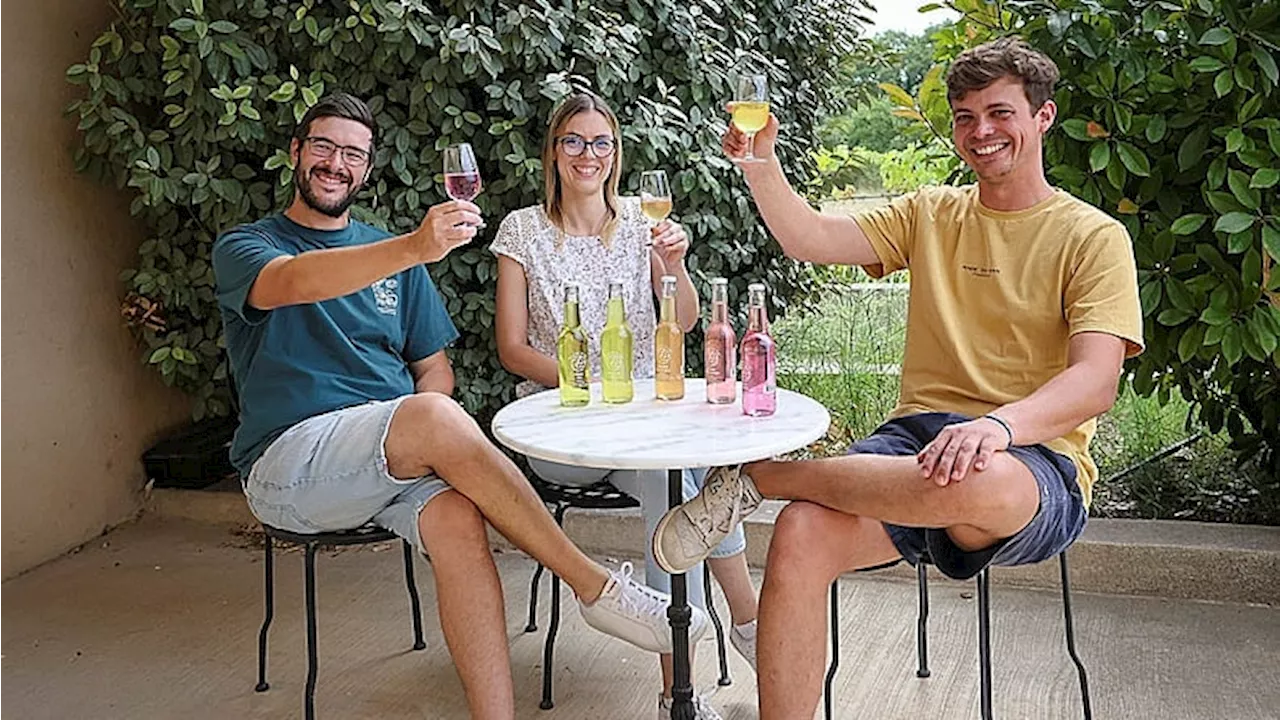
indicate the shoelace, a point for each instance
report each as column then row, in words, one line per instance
column 637, row 598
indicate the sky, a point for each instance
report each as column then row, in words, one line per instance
column 902, row 15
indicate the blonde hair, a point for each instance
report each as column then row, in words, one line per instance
column 552, row 202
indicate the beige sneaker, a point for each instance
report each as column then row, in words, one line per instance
column 687, row 534
column 702, row 709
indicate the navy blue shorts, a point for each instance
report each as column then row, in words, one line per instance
column 1057, row 523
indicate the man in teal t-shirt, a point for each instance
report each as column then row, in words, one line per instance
column 336, row 337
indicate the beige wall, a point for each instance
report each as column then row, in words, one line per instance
column 78, row 408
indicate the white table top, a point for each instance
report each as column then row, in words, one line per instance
column 652, row 434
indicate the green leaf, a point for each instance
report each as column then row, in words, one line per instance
column 1099, row 156
column 1271, row 241
column 1175, row 316
column 1076, row 129
column 1267, row 64
column 1216, row 36
column 1232, row 345
column 160, row 355
column 223, row 26
column 1265, row 178
column 1224, row 83
column 1190, row 342
column 1188, row 224
column 1217, row 172
column 1134, row 159
column 1192, row 148
column 1239, row 184
column 1234, row 222
column 1156, row 129
column 1150, row 294
column 1206, row 64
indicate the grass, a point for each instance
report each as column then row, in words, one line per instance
column 845, row 354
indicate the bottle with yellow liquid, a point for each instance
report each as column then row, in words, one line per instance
column 616, row 349
column 668, row 346
column 572, row 354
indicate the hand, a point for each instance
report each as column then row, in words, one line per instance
column 445, row 227
column 670, row 242
column 962, row 447
column 734, row 142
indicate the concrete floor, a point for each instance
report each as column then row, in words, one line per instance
column 159, row 620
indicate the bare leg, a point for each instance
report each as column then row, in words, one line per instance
column 432, row 433
column 733, row 577
column 983, row 508
column 811, row 546
column 470, row 603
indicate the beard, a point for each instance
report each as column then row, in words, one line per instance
column 335, row 208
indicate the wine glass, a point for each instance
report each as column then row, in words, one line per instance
column 751, row 110
column 461, row 173
column 655, row 197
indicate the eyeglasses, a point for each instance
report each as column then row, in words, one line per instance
column 575, row 145
column 324, row 148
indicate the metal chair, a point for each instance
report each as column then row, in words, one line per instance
column 360, row 536
column 984, row 636
column 600, row 496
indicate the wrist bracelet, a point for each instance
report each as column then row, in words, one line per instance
column 1000, row 421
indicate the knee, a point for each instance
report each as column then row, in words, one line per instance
column 801, row 535
column 451, row 518
column 439, row 416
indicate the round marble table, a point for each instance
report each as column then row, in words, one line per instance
column 652, row 434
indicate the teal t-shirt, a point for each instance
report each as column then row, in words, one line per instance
column 299, row 361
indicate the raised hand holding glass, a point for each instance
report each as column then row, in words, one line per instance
column 461, row 173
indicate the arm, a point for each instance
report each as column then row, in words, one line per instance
column 432, row 374
column 514, row 351
column 326, row 274
column 670, row 245
column 804, row 233
column 1085, row 389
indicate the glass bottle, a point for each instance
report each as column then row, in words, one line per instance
column 668, row 346
column 720, row 348
column 759, row 358
column 616, row 349
column 572, row 354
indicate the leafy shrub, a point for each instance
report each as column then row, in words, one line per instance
column 190, row 103
column 1170, row 121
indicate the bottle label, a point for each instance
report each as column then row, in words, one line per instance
column 662, row 361
column 715, row 360
column 615, row 366
column 578, row 363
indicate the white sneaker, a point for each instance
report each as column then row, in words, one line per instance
column 702, row 709
column 746, row 646
column 687, row 534
column 637, row 613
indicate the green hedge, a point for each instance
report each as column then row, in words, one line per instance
column 1169, row 119
column 190, row 103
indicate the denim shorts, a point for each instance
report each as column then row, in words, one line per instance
column 329, row 472
column 1057, row 523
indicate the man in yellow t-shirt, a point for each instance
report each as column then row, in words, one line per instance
column 1023, row 307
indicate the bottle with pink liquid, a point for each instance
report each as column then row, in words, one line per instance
column 720, row 348
column 759, row 358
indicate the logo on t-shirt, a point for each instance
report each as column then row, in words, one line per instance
column 384, row 295
column 981, row 272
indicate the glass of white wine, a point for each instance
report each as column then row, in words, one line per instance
column 655, row 197
column 751, row 110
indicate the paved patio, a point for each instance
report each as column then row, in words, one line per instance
column 159, row 620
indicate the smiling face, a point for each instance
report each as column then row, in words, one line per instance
column 326, row 178
column 585, row 174
column 999, row 134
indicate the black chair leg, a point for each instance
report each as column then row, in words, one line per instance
column 984, row 642
column 922, row 622
column 724, row 680
column 313, row 659
column 1071, row 639
column 828, row 696
column 269, row 602
column 549, row 648
column 533, row 601
column 414, row 603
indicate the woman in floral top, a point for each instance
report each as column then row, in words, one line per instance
column 584, row 233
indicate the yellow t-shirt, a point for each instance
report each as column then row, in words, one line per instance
column 995, row 297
